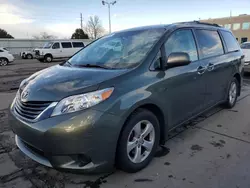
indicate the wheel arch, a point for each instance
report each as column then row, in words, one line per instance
column 48, row 54
column 156, row 110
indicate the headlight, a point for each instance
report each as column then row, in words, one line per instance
column 80, row 102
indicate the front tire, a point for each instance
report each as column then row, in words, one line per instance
column 138, row 141
column 48, row 58
column 4, row 62
column 232, row 94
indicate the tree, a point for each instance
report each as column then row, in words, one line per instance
column 44, row 35
column 4, row 34
column 79, row 34
column 94, row 27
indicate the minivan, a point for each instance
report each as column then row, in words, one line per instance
column 58, row 50
column 103, row 107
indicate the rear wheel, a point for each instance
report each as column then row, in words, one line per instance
column 4, row 62
column 48, row 58
column 138, row 141
column 232, row 93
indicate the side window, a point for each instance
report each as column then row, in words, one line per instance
column 56, row 45
column 230, row 41
column 182, row 41
column 157, row 64
column 78, row 44
column 66, row 44
column 209, row 43
column 1, row 50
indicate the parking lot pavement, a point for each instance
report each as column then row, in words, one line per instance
column 211, row 151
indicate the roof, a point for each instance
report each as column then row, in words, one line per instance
column 145, row 28
column 179, row 24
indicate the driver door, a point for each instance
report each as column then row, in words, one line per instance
column 56, row 50
column 184, row 85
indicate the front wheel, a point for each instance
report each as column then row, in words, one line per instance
column 232, row 94
column 4, row 62
column 138, row 141
column 48, row 58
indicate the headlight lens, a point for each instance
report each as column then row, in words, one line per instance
column 80, row 102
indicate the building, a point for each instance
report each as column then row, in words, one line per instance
column 239, row 25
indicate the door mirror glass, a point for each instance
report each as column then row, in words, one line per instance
column 176, row 59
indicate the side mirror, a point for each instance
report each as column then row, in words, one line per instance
column 176, row 59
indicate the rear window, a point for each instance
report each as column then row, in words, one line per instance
column 78, row 44
column 66, row 44
column 209, row 43
column 231, row 42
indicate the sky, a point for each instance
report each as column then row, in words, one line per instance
column 26, row 18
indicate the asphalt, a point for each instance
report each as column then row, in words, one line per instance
column 212, row 150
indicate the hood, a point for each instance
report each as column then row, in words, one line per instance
column 58, row 82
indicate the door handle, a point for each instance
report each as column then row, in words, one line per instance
column 201, row 69
column 210, row 67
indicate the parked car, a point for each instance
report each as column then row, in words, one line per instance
column 246, row 50
column 100, row 109
column 29, row 54
column 58, row 50
column 5, row 57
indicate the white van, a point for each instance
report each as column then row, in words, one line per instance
column 58, row 50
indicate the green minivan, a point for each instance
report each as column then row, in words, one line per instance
column 114, row 102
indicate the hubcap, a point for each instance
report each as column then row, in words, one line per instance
column 232, row 93
column 140, row 141
column 49, row 59
column 3, row 62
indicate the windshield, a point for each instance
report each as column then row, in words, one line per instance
column 48, row 45
column 118, row 50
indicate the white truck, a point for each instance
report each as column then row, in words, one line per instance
column 58, row 50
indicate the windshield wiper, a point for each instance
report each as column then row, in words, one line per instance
column 94, row 66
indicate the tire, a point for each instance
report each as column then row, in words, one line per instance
column 48, row 58
column 29, row 56
column 4, row 62
column 232, row 94
column 128, row 161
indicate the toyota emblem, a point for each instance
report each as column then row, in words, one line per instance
column 24, row 96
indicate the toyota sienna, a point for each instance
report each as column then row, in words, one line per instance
column 113, row 105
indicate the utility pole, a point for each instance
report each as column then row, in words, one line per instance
column 81, row 20
column 109, row 3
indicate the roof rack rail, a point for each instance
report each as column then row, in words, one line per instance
column 198, row 22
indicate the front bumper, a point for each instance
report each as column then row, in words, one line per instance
column 79, row 141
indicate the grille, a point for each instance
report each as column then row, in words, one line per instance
column 30, row 110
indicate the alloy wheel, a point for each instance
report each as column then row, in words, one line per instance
column 140, row 141
column 232, row 92
column 3, row 62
